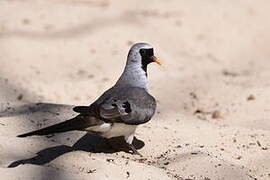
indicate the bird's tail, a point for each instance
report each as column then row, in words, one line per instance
column 77, row 123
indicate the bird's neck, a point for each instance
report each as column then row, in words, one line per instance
column 133, row 76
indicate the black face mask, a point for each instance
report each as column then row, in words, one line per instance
column 146, row 55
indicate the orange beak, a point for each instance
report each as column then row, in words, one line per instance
column 155, row 59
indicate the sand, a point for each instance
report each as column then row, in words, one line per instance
column 212, row 120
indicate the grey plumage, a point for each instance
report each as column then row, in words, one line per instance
column 129, row 105
column 120, row 109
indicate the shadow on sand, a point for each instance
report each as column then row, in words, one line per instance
column 89, row 142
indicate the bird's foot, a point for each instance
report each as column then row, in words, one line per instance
column 134, row 150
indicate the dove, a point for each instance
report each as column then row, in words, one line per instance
column 120, row 109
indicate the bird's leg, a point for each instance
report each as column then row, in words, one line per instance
column 134, row 150
column 129, row 144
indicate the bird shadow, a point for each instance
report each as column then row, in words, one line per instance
column 89, row 142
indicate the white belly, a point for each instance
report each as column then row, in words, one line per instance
column 108, row 130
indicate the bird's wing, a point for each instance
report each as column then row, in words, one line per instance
column 130, row 105
column 127, row 105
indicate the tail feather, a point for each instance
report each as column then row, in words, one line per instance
column 77, row 123
column 82, row 109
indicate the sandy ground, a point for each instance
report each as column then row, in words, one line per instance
column 213, row 88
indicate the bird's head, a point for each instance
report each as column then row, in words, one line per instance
column 135, row 72
column 142, row 54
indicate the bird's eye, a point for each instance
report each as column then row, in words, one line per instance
column 143, row 51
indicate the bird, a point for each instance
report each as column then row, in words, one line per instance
column 120, row 109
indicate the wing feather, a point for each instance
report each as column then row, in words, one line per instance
column 131, row 106
column 128, row 105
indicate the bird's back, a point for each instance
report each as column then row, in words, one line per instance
column 131, row 105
